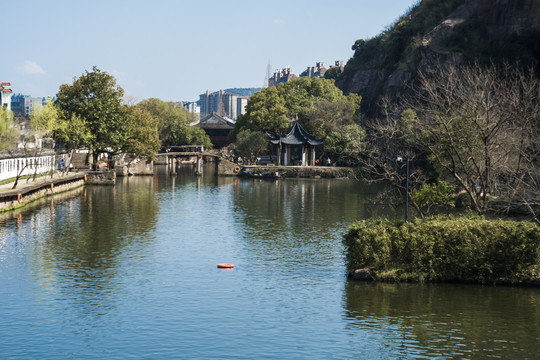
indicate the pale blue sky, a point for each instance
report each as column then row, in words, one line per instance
column 176, row 50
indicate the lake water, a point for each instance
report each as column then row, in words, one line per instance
column 130, row 272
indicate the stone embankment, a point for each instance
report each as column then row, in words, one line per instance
column 26, row 193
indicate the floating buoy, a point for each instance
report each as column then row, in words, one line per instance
column 225, row 266
column 52, row 187
column 237, row 169
column 19, row 198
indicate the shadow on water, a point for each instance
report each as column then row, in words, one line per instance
column 446, row 320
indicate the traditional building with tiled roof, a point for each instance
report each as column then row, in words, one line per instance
column 217, row 128
column 296, row 147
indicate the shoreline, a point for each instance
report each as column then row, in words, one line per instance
column 26, row 193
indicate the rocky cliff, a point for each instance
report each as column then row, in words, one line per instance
column 471, row 30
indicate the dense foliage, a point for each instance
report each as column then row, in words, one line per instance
column 97, row 99
column 249, row 144
column 7, row 132
column 317, row 104
column 173, row 123
column 445, row 249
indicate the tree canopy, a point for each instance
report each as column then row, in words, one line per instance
column 249, row 145
column 173, row 123
column 95, row 98
column 7, row 131
column 143, row 137
column 313, row 101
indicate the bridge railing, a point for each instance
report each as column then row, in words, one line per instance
column 184, row 148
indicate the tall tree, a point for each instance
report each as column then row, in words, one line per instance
column 249, row 144
column 44, row 119
column 480, row 125
column 317, row 104
column 7, row 131
column 173, row 123
column 97, row 100
column 265, row 111
column 143, row 139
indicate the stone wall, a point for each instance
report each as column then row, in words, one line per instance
column 17, row 198
column 101, row 177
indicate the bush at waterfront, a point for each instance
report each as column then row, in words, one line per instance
column 445, row 249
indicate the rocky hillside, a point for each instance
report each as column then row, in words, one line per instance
column 441, row 32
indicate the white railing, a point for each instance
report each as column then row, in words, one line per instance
column 11, row 167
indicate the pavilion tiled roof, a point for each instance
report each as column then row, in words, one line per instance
column 295, row 136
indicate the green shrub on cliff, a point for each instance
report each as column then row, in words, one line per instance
column 445, row 249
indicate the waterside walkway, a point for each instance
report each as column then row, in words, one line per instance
column 30, row 191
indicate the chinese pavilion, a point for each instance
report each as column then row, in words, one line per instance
column 297, row 145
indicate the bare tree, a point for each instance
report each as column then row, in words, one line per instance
column 480, row 125
column 387, row 144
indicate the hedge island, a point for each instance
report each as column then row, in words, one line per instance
column 460, row 249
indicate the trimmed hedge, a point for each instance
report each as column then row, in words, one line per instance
column 445, row 249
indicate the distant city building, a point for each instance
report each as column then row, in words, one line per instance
column 241, row 103
column 225, row 104
column 281, row 76
column 191, row 106
column 5, row 95
column 22, row 105
column 285, row 74
column 314, row 71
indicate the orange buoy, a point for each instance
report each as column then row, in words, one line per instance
column 237, row 169
column 19, row 198
column 225, row 266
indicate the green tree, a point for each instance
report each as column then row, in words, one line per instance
column 194, row 135
column 143, row 139
column 97, row 100
column 347, row 143
column 249, row 144
column 314, row 102
column 438, row 194
column 7, row 131
column 265, row 111
column 318, row 104
column 174, row 123
column 332, row 73
column 72, row 132
column 44, row 119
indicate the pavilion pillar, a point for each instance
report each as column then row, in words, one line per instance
column 286, row 156
column 304, row 155
column 313, row 156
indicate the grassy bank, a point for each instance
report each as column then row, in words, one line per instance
column 446, row 249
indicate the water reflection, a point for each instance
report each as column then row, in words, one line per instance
column 77, row 244
column 130, row 271
column 446, row 320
